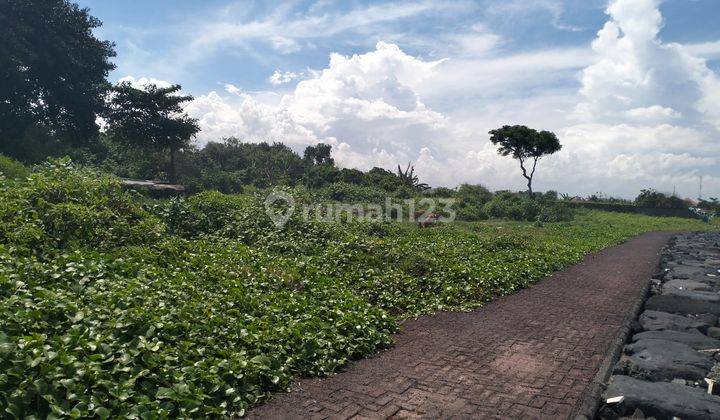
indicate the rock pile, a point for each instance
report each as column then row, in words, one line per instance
column 672, row 360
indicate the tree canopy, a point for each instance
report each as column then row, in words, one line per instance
column 320, row 154
column 653, row 198
column 53, row 74
column 151, row 118
column 526, row 145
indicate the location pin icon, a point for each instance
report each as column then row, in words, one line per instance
column 279, row 218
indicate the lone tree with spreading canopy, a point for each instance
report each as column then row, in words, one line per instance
column 526, row 145
column 151, row 118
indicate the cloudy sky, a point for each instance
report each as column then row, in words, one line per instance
column 631, row 87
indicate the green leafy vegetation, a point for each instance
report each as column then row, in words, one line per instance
column 12, row 168
column 653, row 198
column 113, row 305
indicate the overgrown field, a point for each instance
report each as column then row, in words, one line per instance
column 113, row 306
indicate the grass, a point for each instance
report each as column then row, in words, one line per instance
column 113, row 307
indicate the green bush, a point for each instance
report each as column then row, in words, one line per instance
column 469, row 194
column 352, row 176
column 653, row 198
column 556, row 212
column 470, row 202
column 60, row 205
column 353, row 193
column 507, row 205
column 441, row 192
column 223, row 181
column 12, row 169
column 471, row 213
column 320, row 175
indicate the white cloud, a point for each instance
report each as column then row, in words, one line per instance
column 279, row 78
column 141, row 82
column 514, row 9
column 648, row 107
column 637, row 76
column 230, row 88
column 287, row 31
column 655, row 113
column 706, row 50
column 365, row 105
column 641, row 113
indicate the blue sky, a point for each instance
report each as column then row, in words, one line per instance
column 423, row 81
column 149, row 31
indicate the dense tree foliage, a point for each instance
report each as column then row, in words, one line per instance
column 151, row 118
column 319, row 154
column 12, row 168
column 471, row 200
column 231, row 166
column 653, row 198
column 526, row 145
column 52, row 77
column 711, row 203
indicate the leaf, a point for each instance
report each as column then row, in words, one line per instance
column 102, row 412
column 164, row 393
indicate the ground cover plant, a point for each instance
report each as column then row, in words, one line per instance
column 112, row 305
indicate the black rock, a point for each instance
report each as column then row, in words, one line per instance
column 681, row 305
column 694, row 294
column 662, row 360
column 687, row 285
column 664, row 400
column 635, row 326
column 661, row 321
column 714, row 332
column 686, row 272
column 709, row 319
column 693, row 339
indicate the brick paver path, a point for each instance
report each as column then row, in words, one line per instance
column 529, row 355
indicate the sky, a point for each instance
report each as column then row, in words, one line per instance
column 631, row 87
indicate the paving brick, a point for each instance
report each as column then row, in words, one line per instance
column 529, row 355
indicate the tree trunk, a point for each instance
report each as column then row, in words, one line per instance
column 173, row 178
column 530, row 178
column 530, row 192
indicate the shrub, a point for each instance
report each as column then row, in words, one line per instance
column 471, row 213
column 318, row 176
column 60, row 205
column 211, row 212
column 653, row 198
column 512, row 206
column 470, row 200
column 353, row 193
column 547, row 197
column 12, row 168
column 441, row 192
column 468, row 194
column 556, row 212
column 352, row 176
column 223, row 181
column 382, row 178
